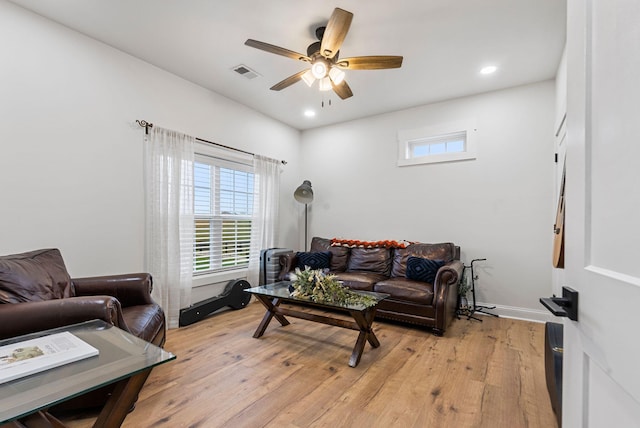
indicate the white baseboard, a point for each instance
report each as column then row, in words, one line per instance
column 527, row 314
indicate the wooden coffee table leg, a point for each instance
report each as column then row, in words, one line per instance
column 36, row 420
column 271, row 307
column 358, row 349
column 119, row 404
column 369, row 316
column 364, row 321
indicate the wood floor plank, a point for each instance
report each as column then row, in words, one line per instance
column 479, row 374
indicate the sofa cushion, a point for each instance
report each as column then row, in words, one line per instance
column 421, row 269
column 406, row 290
column 34, row 276
column 445, row 251
column 319, row 260
column 359, row 280
column 339, row 255
column 377, row 260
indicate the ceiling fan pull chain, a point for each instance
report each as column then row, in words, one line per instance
column 328, row 101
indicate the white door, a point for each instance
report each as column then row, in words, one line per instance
column 602, row 255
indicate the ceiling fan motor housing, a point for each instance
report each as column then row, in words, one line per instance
column 314, row 48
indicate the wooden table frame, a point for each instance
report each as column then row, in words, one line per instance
column 363, row 321
column 112, row 414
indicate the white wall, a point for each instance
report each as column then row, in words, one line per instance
column 498, row 206
column 71, row 156
column 71, row 153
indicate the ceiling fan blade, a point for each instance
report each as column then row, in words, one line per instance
column 335, row 32
column 376, row 62
column 343, row 90
column 288, row 81
column 276, row 50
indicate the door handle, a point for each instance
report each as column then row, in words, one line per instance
column 565, row 306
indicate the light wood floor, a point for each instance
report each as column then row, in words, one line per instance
column 480, row 374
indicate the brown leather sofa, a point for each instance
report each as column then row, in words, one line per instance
column 37, row 293
column 384, row 270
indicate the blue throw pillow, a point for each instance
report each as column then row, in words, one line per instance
column 320, row 260
column 425, row 270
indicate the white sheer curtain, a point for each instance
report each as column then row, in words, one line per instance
column 168, row 157
column 265, row 211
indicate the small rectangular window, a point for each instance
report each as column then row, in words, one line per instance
column 441, row 143
column 450, row 143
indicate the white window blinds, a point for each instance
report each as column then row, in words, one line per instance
column 223, row 208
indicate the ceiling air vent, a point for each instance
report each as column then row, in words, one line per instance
column 245, row 71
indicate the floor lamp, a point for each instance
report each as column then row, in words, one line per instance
column 304, row 195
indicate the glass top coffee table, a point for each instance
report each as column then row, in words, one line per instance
column 271, row 295
column 123, row 358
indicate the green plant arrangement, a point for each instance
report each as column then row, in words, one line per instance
column 319, row 287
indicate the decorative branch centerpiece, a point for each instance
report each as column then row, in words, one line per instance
column 316, row 286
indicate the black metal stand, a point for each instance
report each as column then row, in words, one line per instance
column 477, row 308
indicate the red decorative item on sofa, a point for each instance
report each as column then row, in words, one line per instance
column 354, row 243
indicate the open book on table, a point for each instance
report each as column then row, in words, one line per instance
column 36, row 355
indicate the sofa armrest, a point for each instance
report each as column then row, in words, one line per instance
column 288, row 263
column 23, row 318
column 130, row 289
column 445, row 291
column 449, row 274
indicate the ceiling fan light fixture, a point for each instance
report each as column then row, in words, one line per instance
column 323, row 60
column 325, row 84
column 308, row 78
column 319, row 69
column 336, row 75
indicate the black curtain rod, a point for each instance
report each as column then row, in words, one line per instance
column 146, row 125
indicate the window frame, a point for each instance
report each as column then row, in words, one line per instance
column 221, row 158
column 435, row 134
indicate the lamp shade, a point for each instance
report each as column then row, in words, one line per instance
column 336, row 75
column 304, row 193
column 308, row 78
column 319, row 69
column 325, row 84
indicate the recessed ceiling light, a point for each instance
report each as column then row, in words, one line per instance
column 309, row 113
column 488, row 69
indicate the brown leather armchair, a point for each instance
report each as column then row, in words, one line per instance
column 37, row 293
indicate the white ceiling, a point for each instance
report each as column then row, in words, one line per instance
column 444, row 44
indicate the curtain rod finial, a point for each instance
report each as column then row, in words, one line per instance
column 146, row 125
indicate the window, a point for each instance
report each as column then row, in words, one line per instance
column 450, row 143
column 441, row 143
column 223, row 208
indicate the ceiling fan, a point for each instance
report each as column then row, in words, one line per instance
column 326, row 67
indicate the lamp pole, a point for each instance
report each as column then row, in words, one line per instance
column 304, row 195
column 305, row 227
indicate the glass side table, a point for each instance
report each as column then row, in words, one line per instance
column 123, row 358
